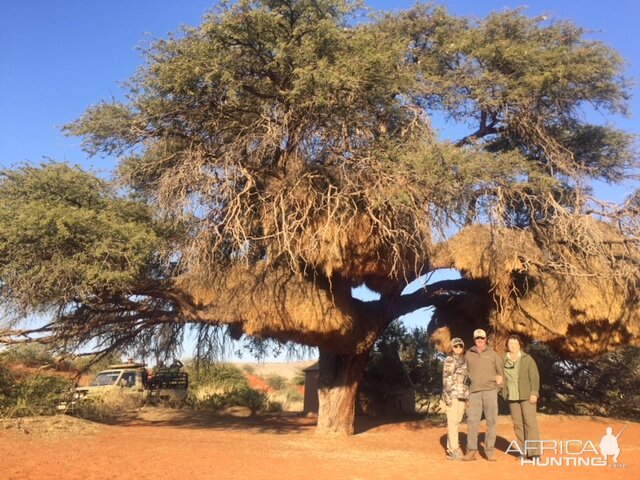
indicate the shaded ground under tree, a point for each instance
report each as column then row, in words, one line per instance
column 281, row 154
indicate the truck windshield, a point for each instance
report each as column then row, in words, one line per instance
column 105, row 378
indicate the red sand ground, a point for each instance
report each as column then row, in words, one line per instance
column 257, row 383
column 165, row 444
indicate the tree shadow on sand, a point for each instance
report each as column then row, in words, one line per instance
column 276, row 423
column 413, row 422
column 501, row 445
column 273, row 423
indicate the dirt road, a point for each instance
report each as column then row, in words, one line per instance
column 164, row 444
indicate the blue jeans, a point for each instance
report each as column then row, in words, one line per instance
column 487, row 402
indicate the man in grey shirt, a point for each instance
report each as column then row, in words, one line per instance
column 485, row 372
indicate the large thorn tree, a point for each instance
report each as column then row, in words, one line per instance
column 282, row 153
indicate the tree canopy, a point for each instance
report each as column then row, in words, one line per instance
column 282, row 153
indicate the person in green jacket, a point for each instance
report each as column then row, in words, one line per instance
column 521, row 390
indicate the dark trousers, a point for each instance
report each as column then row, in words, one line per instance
column 525, row 426
column 486, row 401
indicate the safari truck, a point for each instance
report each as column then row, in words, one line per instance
column 132, row 381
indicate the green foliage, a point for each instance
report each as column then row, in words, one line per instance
column 404, row 359
column 216, row 386
column 225, row 376
column 64, row 235
column 275, row 381
column 248, row 369
column 29, row 355
column 292, row 395
column 243, row 396
column 298, row 378
column 606, row 386
column 6, row 386
column 35, row 395
column 91, row 365
column 424, row 364
column 344, row 93
column 277, row 130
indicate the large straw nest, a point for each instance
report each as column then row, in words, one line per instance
column 581, row 299
column 277, row 303
column 339, row 229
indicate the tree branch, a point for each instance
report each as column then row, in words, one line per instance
column 432, row 294
column 483, row 130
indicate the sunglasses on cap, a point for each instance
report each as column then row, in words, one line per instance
column 457, row 345
column 480, row 338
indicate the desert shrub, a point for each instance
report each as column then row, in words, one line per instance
column 29, row 355
column 37, row 395
column 293, row 395
column 255, row 400
column 288, row 399
column 608, row 385
column 403, row 359
column 104, row 407
column 90, row 365
column 273, row 407
column 6, row 387
column 221, row 376
column 298, row 378
column 248, row 369
column 275, row 381
column 216, row 386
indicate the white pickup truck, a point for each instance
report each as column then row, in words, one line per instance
column 167, row 385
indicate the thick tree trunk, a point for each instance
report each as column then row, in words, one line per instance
column 340, row 377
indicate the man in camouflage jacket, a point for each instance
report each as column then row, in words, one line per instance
column 455, row 391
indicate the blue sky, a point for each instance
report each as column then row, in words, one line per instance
column 59, row 57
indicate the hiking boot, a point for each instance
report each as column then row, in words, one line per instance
column 491, row 456
column 470, row 456
column 455, row 455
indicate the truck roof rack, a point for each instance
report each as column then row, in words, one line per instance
column 126, row 365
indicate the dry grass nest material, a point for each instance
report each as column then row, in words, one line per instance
column 579, row 291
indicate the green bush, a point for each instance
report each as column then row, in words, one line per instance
column 255, row 400
column 273, row 407
column 292, row 395
column 248, row 369
column 298, row 378
column 29, row 355
column 6, row 387
column 225, row 376
column 37, row 395
column 104, row 408
column 89, row 365
column 275, row 381
column 400, row 359
column 608, row 385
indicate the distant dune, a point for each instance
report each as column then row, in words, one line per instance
column 285, row 369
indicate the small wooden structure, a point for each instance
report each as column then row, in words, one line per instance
column 311, row 384
column 398, row 401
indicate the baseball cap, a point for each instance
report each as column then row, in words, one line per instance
column 479, row 333
column 457, row 341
